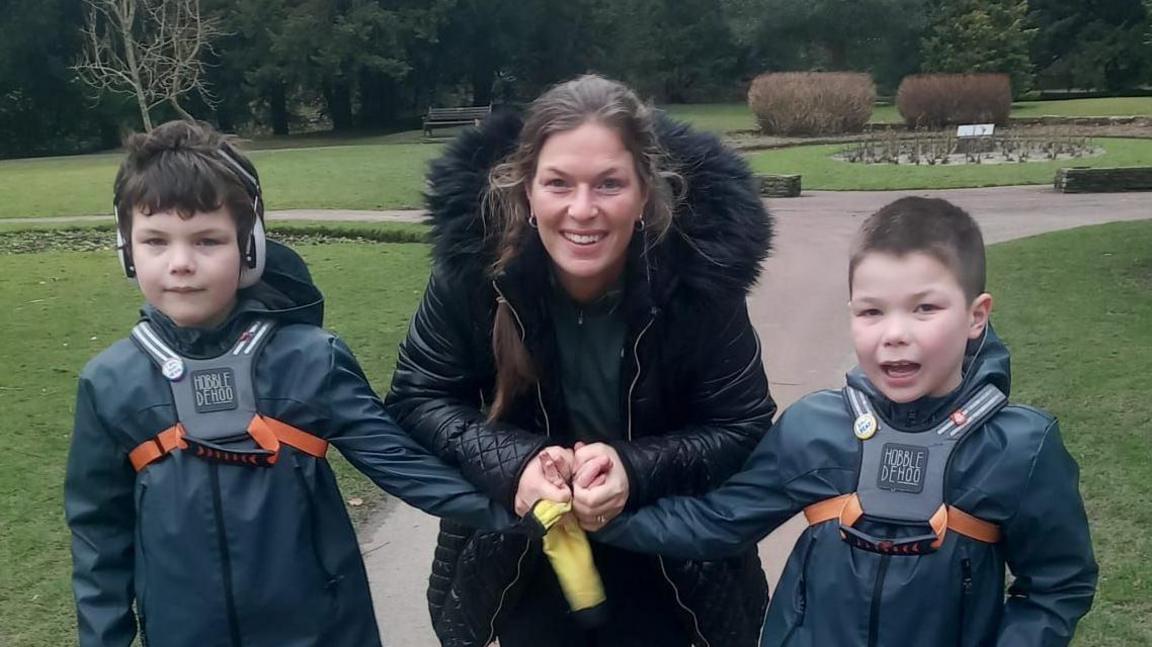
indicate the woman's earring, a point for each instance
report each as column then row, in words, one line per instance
column 640, row 224
column 532, row 222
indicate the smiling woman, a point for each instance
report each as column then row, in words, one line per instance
column 584, row 335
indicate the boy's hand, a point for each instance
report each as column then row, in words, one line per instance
column 545, row 477
column 600, row 487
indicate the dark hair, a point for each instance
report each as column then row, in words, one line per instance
column 930, row 226
column 187, row 167
column 565, row 107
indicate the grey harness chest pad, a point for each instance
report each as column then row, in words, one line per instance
column 215, row 398
column 902, row 474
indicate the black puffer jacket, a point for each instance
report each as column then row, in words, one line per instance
column 694, row 396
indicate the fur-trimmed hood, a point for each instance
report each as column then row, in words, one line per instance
column 720, row 233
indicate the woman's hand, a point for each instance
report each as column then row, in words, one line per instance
column 599, row 487
column 546, row 477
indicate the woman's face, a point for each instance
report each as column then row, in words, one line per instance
column 587, row 200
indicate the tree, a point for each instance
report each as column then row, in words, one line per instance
column 981, row 36
column 1100, row 44
column 148, row 49
column 39, row 95
column 877, row 36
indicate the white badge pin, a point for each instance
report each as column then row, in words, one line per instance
column 865, row 426
column 173, row 368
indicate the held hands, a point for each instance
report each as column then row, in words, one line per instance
column 591, row 476
column 546, row 477
column 599, row 486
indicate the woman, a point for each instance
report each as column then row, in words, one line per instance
column 588, row 296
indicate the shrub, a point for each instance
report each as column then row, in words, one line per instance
column 812, row 103
column 936, row 100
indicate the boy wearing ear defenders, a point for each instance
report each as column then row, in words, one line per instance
column 202, row 509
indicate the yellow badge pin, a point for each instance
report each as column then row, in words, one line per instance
column 865, row 426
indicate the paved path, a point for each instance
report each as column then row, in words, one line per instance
column 800, row 310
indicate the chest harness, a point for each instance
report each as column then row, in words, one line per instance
column 902, row 477
column 215, row 404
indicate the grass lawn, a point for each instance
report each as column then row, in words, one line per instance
column 379, row 176
column 714, row 117
column 1075, row 308
column 820, row 171
column 61, row 308
column 1103, row 107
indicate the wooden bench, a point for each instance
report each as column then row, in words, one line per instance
column 452, row 117
column 1101, row 180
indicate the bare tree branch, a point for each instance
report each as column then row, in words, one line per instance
column 149, row 49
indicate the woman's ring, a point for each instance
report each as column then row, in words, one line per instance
column 599, row 518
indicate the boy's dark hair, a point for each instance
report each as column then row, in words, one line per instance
column 930, row 226
column 184, row 166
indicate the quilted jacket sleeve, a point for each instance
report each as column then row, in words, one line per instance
column 1049, row 550
column 730, row 410
column 367, row 436
column 731, row 518
column 435, row 396
column 101, row 514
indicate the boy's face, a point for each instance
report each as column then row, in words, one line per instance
column 911, row 323
column 188, row 269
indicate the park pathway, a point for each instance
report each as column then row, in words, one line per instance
column 800, row 311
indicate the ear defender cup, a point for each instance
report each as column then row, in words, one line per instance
column 253, row 267
column 123, row 249
column 253, row 262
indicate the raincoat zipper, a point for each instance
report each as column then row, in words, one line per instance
column 225, row 558
column 965, row 591
column 877, row 596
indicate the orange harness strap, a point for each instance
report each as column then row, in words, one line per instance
column 267, row 432
column 158, row 447
column 846, row 508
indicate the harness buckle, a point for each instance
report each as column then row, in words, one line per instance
column 227, row 454
column 916, row 545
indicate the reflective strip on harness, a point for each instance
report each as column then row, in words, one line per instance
column 847, row 509
column 268, row 432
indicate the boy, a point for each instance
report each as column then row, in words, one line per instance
column 918, row 481
column 197, row 490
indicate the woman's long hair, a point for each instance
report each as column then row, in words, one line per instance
column 565, row 107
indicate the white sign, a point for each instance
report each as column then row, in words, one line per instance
column 975, row 130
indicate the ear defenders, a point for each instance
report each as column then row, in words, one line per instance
column 252, row 267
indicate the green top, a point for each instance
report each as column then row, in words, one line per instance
column 590, row 338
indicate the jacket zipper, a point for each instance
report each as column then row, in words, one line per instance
column 548, row 433
column 523, row 336
column 628, row 403
column 877, row 595
column 225, row 558
column 803, row 601
column 636, row 376
column 330, row 579
column 504, row 594
column 140, row 615
column 965, row 591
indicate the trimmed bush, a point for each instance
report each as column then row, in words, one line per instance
column 812, row 103
column 937, row 100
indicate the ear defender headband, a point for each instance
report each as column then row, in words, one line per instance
column 253, row 266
